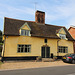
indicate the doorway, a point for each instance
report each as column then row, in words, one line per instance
column 45, row 52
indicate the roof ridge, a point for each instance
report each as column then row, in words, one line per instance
column 31, row 21
column 54, row 25
column 18, row 19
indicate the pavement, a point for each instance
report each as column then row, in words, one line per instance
column 57, row 70
column 33, row 64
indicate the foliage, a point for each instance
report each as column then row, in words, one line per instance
column 1, row 37
column 55, row 58
column 1, row 43
column 39, row 58
column 1, row 63
column 0, row 33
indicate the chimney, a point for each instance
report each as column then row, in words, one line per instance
column 40, row 17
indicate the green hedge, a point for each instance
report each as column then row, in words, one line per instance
column 1, row 43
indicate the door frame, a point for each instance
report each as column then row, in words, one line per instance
column 45, row 52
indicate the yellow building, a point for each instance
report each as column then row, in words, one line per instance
column 31, row 39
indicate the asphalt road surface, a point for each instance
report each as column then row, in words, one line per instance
column 61, row 70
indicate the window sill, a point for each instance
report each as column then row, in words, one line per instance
column 64, row 53
column 64, row 39
column 22, row 35
column 23, row 52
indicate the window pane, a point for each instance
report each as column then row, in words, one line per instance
column 22, row 32
column 18, row 49
column 29, row 46
column 25, row 32
column 22, row 46
column 45, row 40
column 21, row 49
column 62, row 36
column 19, row 45
column 28, row 49
column 64, row 51
column 59, row 50
column 25, row 49
column 25, row 46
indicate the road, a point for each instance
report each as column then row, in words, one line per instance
column 61, row 70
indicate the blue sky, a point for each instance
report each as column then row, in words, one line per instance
column 58, row 12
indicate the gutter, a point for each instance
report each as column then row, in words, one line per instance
column 57, row 47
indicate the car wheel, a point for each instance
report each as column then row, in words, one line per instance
column 73, row 61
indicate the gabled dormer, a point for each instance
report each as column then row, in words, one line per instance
column 25, row 30
column 61, row 33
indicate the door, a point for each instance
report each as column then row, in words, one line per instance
column 45, row 52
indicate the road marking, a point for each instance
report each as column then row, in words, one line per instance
column 71, row 74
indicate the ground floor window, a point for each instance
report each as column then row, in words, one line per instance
column 62, row 49
column 24, row 48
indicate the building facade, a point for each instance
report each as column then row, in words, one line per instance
column 72, row 32
column 27, row 40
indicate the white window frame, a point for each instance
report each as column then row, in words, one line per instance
column 26, row 48
column 25, row 32
column 62, row 36
column 62, row 49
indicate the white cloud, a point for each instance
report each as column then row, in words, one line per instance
column 14, row 12
column 55, row 11
column 62, row 10
column 71, row 21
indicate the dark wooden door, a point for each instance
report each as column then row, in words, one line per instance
column 45, row 52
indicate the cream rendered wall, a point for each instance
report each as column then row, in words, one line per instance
column 36, row 44
column 62, row 32
column 25, row 27
column 64, row 42
column 67, row 43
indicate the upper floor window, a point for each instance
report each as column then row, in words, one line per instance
column 62, row 36
column 25, row 32
column 45, row 40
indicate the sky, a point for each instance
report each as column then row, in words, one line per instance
column 57, row 12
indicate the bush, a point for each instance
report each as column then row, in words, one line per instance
column 38, row 58
column 55, row 57
column 0, row 33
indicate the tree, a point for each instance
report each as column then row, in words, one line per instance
column 0, row 36
column 0, row 33
column 1, row 42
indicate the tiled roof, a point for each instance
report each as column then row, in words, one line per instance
column 12, row 26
